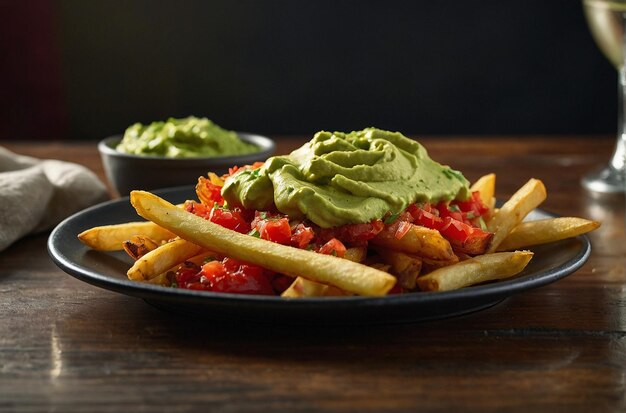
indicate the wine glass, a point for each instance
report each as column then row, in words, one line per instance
column 606, row 20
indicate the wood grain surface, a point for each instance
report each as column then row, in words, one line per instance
column 67, row 346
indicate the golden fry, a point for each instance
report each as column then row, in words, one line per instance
column 326, row 269
column 486, row 185
column 421, row 241
column 301, row 287
column 475, row 270
column 404, row 266
column 544, row 231
column 162, row 259
column 527, row 198
column 110, row 237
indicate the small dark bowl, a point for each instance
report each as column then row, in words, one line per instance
column 128, row 172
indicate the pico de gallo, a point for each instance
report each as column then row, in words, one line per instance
column 461, row 222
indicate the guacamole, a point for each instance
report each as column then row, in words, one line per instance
column 344, row 178
column 183, row 138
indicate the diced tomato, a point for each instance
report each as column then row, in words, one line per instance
column 208, row 192
column 463, row 236
column 425, row 218
column 229, row 218
column 357, row 234
column 333, row 247
column 213, row 269
column 187, row 273
column 230, row 276
column 403, row 228
column 198, row 209
column 301, row 236
column 455, row 230
column 446, row 211
column 474, row 204
column 235, row 169
column 238, row 278
column 273, row 229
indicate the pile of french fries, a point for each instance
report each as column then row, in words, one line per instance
column 421, row 260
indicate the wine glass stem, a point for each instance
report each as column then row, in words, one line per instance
column 618, row 160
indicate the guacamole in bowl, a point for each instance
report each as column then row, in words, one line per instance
column 189, row 137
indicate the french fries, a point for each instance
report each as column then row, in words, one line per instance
column 475, row 270
column 413, row 258
column 404, row 266
column 111, row 237
column 325, row 269
column 301, row 287
column 162, row 259
column 527, row 198
column 418, row 240
column 544, row 231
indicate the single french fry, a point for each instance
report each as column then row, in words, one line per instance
column 110, row 237
column 527, row 198
column 138, row 246
column 404, row 266
column 543, row 231
column 475, row 270
column 162, row 259
column 301, row 288
column 421, row 241
column 326, row 269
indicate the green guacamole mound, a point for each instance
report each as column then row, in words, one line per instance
column 344, row 178
column 183, row 138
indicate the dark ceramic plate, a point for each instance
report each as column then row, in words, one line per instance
column 108, row 270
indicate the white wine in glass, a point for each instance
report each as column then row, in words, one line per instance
column 606, row 20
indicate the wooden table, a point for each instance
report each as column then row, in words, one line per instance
column 67, row 346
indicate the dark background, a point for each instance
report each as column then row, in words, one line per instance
column 87, row 69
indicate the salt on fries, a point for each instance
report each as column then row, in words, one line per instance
column 420, row 259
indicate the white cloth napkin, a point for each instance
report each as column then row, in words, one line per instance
column 37, row 194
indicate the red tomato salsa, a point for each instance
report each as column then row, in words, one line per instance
column 460, row 222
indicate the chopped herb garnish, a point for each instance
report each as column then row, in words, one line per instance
column 454, row 208
column 482, row 224
column 391, row 219
column 255, row 233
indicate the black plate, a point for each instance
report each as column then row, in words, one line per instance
column 108, row 270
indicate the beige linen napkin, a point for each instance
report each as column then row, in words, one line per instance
column 37, row 194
